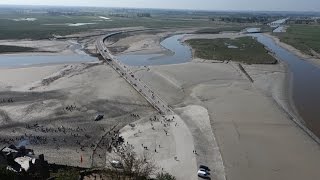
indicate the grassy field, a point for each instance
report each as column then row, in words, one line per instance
column 235, row 28
column 302, row 37
column 46, row 25
column 248, row 50
column 14, row 49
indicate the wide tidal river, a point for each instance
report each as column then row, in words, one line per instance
column 304, row 84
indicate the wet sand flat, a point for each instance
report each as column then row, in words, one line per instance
column 255, row 137
column 257, row 140
column 51, row 109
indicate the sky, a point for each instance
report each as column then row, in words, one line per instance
column 255, row 5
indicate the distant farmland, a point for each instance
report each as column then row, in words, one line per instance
column 46, row 25
column 303, row 37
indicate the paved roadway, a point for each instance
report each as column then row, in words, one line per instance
column 130, row 77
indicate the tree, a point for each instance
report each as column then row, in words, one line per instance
column 132, row 166
column 165, row 176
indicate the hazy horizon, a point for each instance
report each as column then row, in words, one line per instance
column 218, row 5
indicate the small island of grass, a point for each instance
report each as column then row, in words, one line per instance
column 244, row 49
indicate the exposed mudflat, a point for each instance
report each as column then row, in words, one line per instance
column 53, row 111
column 238, row 128
column 250, row 127
column 254, row 135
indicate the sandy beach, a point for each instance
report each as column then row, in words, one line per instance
column 236, row 126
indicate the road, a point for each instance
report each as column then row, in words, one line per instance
column 131, row 78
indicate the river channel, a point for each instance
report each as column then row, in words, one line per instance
column 304, row 83
column 20, row 60
column 305, row 86
column 180, row 54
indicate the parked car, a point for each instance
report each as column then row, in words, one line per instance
column 208, row 173
column 116, row 164
column 204, row 167
column 202, row 173
column 98, row 117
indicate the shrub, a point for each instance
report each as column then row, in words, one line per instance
column 165, row 176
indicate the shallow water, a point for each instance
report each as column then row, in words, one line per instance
column 305, row 83
column 70, row 24
column 181, row 54
column 26, row 60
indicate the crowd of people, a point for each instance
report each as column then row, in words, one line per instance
column 37, row 134
column 71, row 108
column 59, row 136
column 165, row 122
column 6, row 100
column 61, row 129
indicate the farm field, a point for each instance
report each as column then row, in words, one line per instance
column 44, row 26
column 303, row 37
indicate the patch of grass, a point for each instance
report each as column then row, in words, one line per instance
column 70, row 174
column 117, row 37
column 165, row 176
column 10, row 175
column 302, row 37
column 248, row 50
column 221, row 29
column 6, row 174
column 14, row 49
